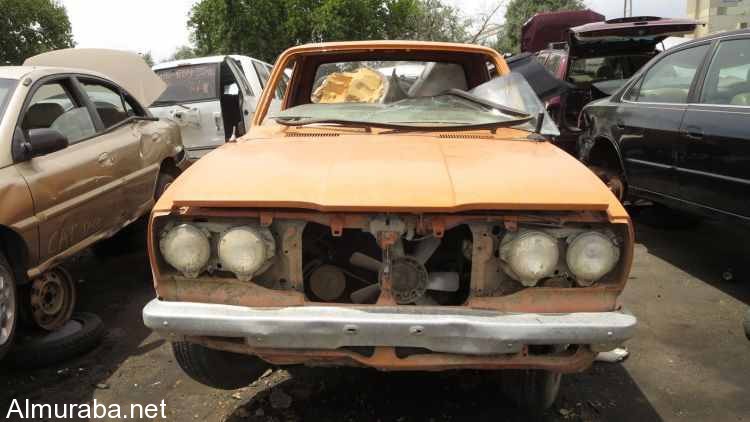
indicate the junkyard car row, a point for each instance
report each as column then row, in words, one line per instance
column 387, row 204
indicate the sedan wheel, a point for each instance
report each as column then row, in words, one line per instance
column 52, row 299
column 8, row 306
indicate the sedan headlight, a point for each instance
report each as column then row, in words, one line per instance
column 186, row 248
column 591, row 255
column 530, row 256
column 245, row 250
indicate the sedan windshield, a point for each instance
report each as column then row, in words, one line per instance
column 6, row 89
column 416, row 95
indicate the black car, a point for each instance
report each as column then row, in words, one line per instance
column 593, row 60
column 678, row 132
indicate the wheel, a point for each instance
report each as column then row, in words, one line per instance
column 42, row 348
column 51, row 299
column 533, row 390
column 612, row 179
column 217, row 368
column 8, row 306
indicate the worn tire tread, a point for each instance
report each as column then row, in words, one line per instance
column 35, row 356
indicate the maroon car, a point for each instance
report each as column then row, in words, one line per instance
column 595, row 59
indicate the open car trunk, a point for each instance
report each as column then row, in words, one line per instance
column 605, row 55
column 631, row 35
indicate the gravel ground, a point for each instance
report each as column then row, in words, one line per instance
column 689, row 360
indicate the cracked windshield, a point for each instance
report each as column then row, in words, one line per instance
column 416, row 94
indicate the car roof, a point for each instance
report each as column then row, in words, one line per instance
column 717, row 35
column 345, row 46
column 201, row 60
column 19, row 72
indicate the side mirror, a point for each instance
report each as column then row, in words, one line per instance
column 44, row 141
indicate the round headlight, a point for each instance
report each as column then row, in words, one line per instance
column 530, row 255
column 186, row 248
column 591, row 255
column 243, row 250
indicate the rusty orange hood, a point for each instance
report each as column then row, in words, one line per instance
column 357, row 172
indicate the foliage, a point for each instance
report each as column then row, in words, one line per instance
column 148, row 58
column 519, row 11
column 264, row 28
column 183, row 52
column 31, row 27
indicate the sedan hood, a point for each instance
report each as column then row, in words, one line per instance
column 126, row 68
column 389, row 173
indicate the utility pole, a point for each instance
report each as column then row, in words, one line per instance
column 627, row 8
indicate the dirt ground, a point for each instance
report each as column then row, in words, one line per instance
column 689, row 360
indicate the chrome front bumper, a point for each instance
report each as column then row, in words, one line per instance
column 444, row 330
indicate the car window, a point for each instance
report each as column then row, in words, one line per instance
column 262, row 73
column 109, row 103
column 608, row 68
column 281, row 86
column 728, row 78
column 384, row 81
column 6, row 89
column 52, row 107
column 669, row 80
column 553, row 64
column 189, row 84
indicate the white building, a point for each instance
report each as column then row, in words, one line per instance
column 719, row 15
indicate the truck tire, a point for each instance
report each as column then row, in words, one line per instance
column 533, row 390
column 79, row 335
column 8, row 306
column 217, row 368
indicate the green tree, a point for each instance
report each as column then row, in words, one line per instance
column 519, row 11
column 31, row 27
column 183, row 52
column 264, row 28
column 148, row 58
column 437, row 21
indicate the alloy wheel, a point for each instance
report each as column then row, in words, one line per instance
column 7, row 308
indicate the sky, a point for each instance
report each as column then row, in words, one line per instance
column 159, row 26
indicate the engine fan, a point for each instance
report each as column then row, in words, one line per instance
column 409, row 278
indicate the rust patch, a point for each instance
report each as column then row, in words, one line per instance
column 385, row 358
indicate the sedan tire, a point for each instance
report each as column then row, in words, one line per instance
column 8, row 306
column 218, row 368
column 39, row 349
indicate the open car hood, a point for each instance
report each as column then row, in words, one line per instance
column 634, row 34
column 125, row 68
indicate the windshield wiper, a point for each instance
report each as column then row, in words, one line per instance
column 304, row 121
column 487, row 103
